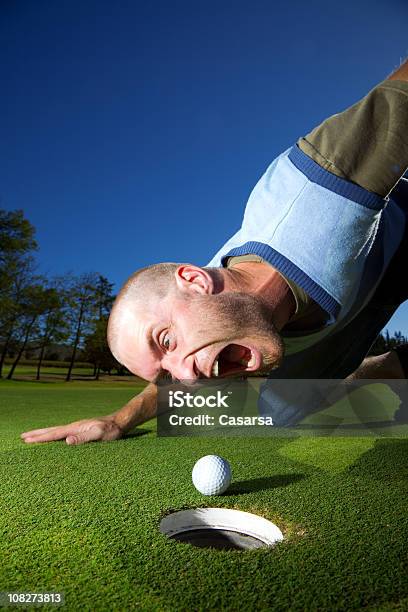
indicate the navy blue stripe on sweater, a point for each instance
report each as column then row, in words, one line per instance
column 319, row 175
column 289, row 269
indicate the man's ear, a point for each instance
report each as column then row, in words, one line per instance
column 191, row 278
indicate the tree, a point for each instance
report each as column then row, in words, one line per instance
column 53, row 323
column 82, row 306
column 105, row 300
column 104, row 296
column 97, row 349
column 17, row 245
column 37, row 300
column 16, row 236
column 385, row 342
column 15, row 306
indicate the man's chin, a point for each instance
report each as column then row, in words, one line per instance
column 266, row 369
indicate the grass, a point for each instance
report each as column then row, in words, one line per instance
column 24, row 371
column 84, row 520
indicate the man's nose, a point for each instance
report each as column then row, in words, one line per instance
column 182, row 369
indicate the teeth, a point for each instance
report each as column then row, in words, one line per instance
column 251, row 362
column 243, row 362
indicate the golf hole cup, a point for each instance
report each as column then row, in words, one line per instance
column 211, row 475
column 220, row 528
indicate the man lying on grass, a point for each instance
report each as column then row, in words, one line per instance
column 300, row 291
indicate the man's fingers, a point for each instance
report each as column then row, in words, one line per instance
column 47, row 435
column 79, row 439
column 34, row 432
column 88, row 436
column 79, row 432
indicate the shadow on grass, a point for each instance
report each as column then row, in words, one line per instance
column 386, row 461
column 136, row 434
column 52, row 379
column 24, row 380
column 263, row 484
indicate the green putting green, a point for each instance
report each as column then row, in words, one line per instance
column 84, row 520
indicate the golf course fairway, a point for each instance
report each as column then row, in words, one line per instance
column 84, row 520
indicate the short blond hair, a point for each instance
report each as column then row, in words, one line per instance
column 156, row 280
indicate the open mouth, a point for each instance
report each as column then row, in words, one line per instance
column 236, row 359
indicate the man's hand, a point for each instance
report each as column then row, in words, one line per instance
column 139, row 409
column 79, row 432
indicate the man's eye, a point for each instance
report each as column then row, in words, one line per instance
column 166, row 342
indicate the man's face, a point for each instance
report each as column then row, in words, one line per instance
column 198, row 336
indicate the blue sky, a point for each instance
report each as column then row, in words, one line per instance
column 133, row 132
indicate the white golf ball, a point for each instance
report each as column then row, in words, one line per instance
column 211, row 475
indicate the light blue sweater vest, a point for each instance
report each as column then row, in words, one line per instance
column 331, row 237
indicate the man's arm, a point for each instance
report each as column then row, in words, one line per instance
column 367, row 144
column 401, row 74
column 139, row 409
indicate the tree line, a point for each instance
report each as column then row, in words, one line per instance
column 385, row 342
column 37, row 312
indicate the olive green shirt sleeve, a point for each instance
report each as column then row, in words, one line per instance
column 366, row 144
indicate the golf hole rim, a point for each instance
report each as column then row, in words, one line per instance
column 226, row 519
